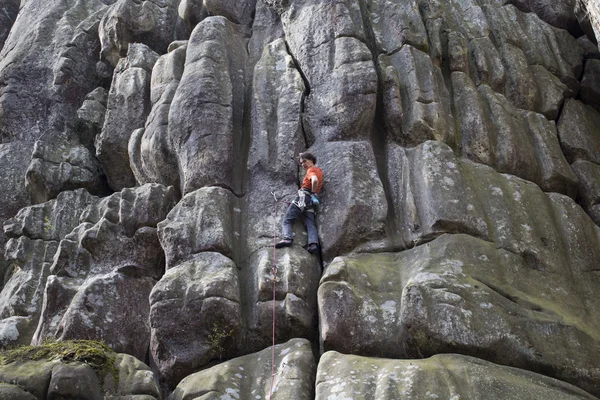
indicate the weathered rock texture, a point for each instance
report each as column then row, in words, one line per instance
column 34, row 235
column 459, row 294
column 460, row 147
column 127, row 107
column 55, row 379
column 234, row 307
column 90, row 295
column 47, row 66
column 155, row 23
column 250, row 376
column 443, row 376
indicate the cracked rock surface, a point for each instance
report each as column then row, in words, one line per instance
column 148, row 152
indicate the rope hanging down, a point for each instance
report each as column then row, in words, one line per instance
column 274, row 289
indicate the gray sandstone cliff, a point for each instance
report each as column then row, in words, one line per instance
column 140, row 141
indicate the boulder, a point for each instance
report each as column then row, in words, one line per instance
column 127, row 108
column 87, row 379
column 353, row 207
column 155, row 23
column 195, row 316
column 590, row 86
column 294, row 296
column 113, row 308
column 250, row 376
column 211, row 90
column 448, row 376
column 14, row 392
column 74, row 381
column 203, row 220
column 135, row 377
column 589, row 187
column 151, row 156
column 416, row 101
column 459, row 294
column 31, row 376
column 578, row 132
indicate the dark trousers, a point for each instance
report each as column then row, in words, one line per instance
column 308, row 217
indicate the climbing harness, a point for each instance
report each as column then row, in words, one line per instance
column 300, row 201
column 304, row 202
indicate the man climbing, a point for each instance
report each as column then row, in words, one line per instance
column 304, row 205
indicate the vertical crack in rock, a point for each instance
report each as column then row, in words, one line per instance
column 276, row 139
column 379, row 134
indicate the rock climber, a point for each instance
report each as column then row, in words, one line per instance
column 304, row 205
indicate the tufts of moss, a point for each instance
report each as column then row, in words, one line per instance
column 91, row 352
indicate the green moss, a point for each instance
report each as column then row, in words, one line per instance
column 93, row 353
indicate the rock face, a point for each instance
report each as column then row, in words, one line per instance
column 459, row 294
column 151, row 155
column 47, row 66
column 211, row 90
column 127, row 108
column 250, row 376
column 34, row 235
column 442, row 376
column 89, row 295
column 54, row 379
column 154, row 23
column 149, row 149
column 235, row 304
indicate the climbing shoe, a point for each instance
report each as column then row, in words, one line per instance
column 313, row 248
column 284, row 243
